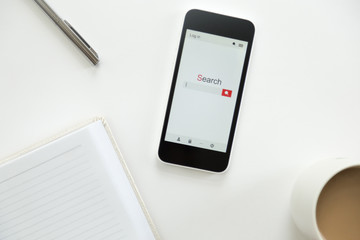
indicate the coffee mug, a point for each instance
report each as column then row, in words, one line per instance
column 325, row 202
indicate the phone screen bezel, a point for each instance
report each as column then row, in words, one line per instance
column 195, row 157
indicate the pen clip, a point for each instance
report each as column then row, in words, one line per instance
column 80, row 38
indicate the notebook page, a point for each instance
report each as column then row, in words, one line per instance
column 64, row 190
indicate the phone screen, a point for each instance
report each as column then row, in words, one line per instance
column 206, row 90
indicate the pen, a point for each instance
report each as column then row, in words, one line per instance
column 70, row 32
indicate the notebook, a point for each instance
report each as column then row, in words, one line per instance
column 76, row 186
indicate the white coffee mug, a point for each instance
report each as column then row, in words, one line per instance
column 307, row 189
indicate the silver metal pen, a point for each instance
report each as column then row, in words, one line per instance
column 70, row 32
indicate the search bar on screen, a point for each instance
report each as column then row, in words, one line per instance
column 208, row 89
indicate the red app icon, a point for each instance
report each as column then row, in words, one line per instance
column 226, row 93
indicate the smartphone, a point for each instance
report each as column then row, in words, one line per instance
column 206, row 90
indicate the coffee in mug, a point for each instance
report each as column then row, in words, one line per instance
column 325, row 201
column 338, row 206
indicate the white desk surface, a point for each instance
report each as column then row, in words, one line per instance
column 301, row 101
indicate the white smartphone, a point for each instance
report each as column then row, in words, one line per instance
column 206, row 91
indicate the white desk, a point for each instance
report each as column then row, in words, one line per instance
column 301, row 101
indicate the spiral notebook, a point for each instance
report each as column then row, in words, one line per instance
column 76, row 186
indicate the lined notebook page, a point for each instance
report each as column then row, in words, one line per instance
column 73, row 188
